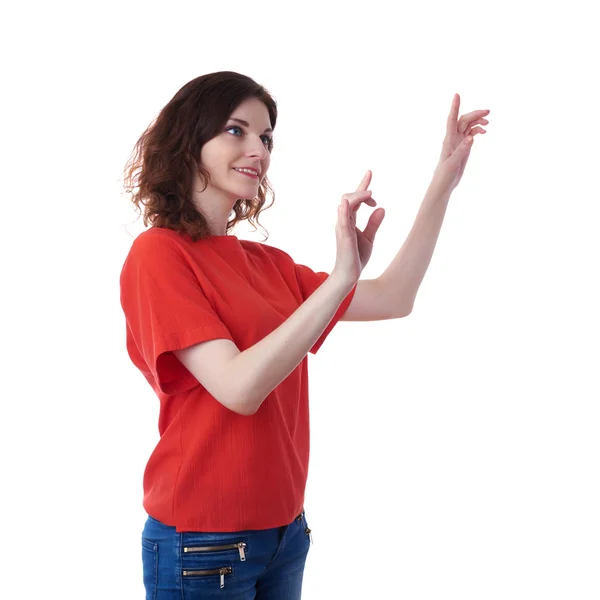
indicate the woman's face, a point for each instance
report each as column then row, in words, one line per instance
column 238, row 158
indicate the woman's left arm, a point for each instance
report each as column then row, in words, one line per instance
column 392, row 294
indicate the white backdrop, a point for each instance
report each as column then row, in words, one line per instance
column 455, row 452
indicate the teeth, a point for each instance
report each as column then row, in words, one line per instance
column 246, row 171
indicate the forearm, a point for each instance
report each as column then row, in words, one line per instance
column 402, row 278
column 262, row 367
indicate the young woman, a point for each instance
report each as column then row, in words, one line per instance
column 221, row 328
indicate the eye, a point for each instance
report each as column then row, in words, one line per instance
column 267, row 140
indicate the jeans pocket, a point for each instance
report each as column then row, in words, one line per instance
column 195, row 578
column 220, row 549
column 209, row 560
column 150, row 567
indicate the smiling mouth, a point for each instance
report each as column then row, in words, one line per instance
column 248, row 172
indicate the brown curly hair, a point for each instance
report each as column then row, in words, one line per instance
column 160, row 172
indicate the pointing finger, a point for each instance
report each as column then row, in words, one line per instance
column 365, row 183
column 453, row 116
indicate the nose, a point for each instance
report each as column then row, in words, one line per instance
column 255, row 147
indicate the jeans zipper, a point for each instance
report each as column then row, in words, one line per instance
column 205, row 573
column 239, row 546
column 308, row 532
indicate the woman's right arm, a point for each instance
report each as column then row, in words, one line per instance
column 242, row 380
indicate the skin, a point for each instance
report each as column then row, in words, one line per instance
column 238, row 145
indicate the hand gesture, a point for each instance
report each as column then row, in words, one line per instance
column 354, row 247
column 457, row 145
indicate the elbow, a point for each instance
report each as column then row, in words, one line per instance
column 406, row 312
column 243, row 405
column 401, row 311
column 244, row 411
column 394, row 305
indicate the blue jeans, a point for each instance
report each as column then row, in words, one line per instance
column 259, row 565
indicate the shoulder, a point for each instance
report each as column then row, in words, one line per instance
column 157, row 243
column 155, row 239
column 154, row 250
column 275, row 254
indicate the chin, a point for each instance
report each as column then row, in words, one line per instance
column 246, row 192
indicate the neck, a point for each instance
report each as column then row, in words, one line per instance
column 216, row 207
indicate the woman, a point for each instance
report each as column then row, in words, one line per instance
column 221, row 328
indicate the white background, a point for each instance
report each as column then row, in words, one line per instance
column 455, row 453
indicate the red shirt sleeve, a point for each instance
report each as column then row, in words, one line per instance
column 165, row 310
column 309, row 281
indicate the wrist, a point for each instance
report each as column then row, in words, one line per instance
column 439, row 191
column 341, row 283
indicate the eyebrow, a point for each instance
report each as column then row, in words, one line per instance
column 242, row 122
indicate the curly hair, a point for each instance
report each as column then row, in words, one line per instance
column 160, row 172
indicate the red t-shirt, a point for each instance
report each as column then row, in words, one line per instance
column 213, row 469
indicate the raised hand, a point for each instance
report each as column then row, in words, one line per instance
column 354, row 247
column 457, row 145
